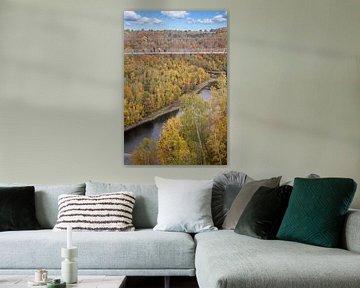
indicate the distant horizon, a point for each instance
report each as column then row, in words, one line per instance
column 177, row 30
column 157, row 20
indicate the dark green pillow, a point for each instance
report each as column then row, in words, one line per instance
column 17, row 209
column 264, row 212
column 316, row 211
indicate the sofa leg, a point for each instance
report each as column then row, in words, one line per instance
column 167, row 282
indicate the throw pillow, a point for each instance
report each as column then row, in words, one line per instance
column 105, row 212
column 243, row 198
column 317, row 209
column 226, row 187
column 46, row 200
column 311, row 176
column 263, row 215
column 146, row 205
column 17, row 209
column 184, row 205
column 46, row 197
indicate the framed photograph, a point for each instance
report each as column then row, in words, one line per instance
column 175, row 87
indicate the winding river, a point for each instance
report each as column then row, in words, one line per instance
column 151, row 130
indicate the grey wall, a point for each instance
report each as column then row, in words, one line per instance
column 294, row 82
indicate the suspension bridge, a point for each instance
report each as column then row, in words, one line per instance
column 223, row 51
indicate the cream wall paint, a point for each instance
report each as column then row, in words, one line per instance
column 294, row 80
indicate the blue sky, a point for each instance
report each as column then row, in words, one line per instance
column 174, row 20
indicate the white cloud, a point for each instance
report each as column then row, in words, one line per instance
column 205, row 21
column 215, row 19
column 132, row 16
column 147, row 20
column 175, row 14
column 219, row 18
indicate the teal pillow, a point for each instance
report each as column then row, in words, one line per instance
column 316, row 211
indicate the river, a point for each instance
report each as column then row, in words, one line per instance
column 151, row 130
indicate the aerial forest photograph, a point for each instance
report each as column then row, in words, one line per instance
column 175, row 87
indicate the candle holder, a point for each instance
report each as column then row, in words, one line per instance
column 69, row 271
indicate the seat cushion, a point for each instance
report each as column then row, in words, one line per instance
column 226, row 259
column 143, row 249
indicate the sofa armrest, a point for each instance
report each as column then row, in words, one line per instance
column 351, row 234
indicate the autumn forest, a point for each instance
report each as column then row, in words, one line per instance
column 165, row 75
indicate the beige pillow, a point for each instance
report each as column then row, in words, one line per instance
column 243, row 198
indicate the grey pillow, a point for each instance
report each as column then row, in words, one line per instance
column 184, row 205
column 146, row 204
column 46, row 200
column 226, row 187
column 243, row 198
column 310, row 176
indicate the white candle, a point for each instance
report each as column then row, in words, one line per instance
column 69, row 239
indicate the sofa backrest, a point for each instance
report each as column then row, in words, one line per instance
column 146, row 203
column 46, row 200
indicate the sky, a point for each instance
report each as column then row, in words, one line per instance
column 174, row 20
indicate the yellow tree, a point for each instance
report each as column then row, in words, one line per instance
column 172, row 146
column 146, row 153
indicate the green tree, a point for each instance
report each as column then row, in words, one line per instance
column 217, row 141
column 195, row 118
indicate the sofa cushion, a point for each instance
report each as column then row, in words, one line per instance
column 17, row 208
column 243, row 198
column 225, row 259
column 184, row 205
column 142, row 249
column 46, row 200
column 317, row 209
column 263, row 215
column 105, row 212
column 146, row 205
column 350, row 239
column 225, row 189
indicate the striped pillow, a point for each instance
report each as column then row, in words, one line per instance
column 105, row 212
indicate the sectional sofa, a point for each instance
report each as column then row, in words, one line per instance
column 219, row 259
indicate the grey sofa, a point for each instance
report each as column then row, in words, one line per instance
column 142, row 252
column 220, row 259
column 226, row 259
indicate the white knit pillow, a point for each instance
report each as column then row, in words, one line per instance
column 105, row 212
